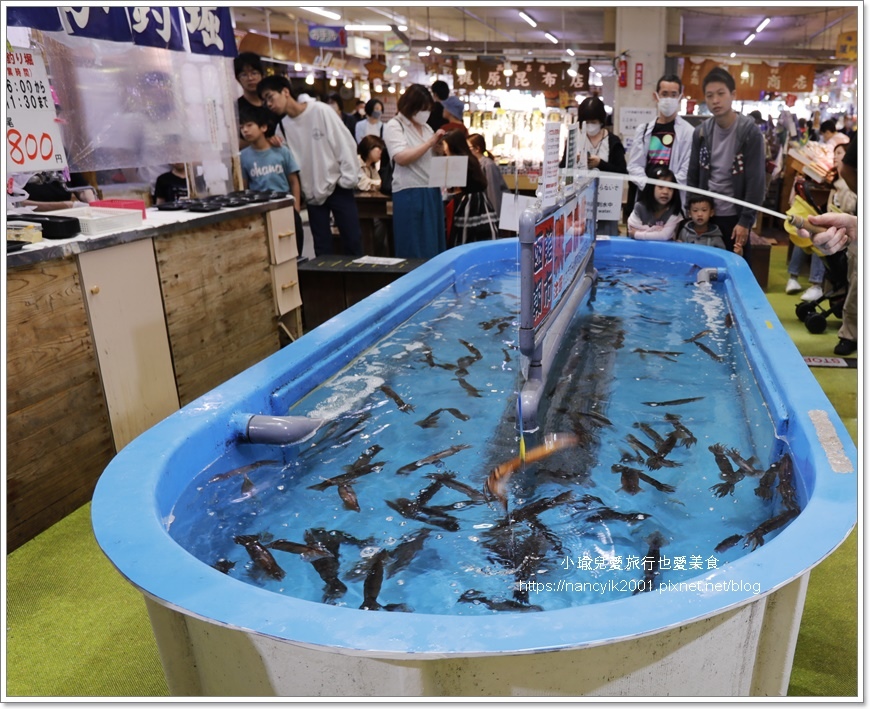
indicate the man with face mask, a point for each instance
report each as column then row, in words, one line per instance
column 666, row 141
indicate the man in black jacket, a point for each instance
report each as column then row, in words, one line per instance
column 728, row 158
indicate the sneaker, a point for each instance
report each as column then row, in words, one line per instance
column 793, row 286
column 814, row 292
column 845, row 347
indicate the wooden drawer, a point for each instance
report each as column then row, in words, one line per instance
column 281, row 230
column 285, row 280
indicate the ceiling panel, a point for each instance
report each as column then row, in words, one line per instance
column 495, row 29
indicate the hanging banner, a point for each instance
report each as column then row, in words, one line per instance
column 528, row 76
column 46, row 19
column 108, row 23
column 327, row 37
column 33, row 137
column 210, row 30
column 157, row 27
column 751, row 80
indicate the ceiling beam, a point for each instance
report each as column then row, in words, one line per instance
column 514, row 48
column 757, row 52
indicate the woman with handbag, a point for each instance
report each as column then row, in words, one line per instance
column 470, row 215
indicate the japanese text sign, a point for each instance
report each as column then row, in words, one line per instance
column 33, row 137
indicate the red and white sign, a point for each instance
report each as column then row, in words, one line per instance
column 638, row 76
column 33, row 138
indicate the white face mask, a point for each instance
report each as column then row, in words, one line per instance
column 421, row 117
column 593, row 128
column 669, row 106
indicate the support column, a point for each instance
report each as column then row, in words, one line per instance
column 642, row 32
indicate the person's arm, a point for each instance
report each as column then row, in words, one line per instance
column 753, row 172
column 682, row 150
column 50, row 206
column 637, row 157
column 343, row 146
column 296, row 191
column 659, row 233
column 410, row 154
column 693, row 172
column 842, row 229
column 367, row 183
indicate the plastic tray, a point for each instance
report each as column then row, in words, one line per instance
column 120, row 204
column 98, row 220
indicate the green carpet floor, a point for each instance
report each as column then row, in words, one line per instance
column 76, row 628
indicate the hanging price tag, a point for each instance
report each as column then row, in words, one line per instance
column 33, row 138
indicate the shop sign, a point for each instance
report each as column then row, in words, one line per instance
column 157, row 27
column 528, row 76
column 325, row 36
column 847, row 46
column 751, row 79
column 109, row 23
column 33, row 138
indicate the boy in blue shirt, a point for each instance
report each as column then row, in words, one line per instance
column 264, row 166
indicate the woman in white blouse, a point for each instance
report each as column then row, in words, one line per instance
column 418, row 212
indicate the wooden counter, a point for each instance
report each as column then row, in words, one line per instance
column 107, row 335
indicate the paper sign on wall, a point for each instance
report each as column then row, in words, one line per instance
column 609, row 198
column 33, row 137
column 550, row 176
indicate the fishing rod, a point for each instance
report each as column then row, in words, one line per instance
column 797, row 221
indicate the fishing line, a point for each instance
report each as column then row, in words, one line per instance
column 797, row 221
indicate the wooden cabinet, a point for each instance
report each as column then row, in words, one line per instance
column 58, row 437
column 283, row 254
column 106, row 337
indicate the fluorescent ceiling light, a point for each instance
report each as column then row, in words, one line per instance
column 323, row 13
column 570, row 52
column 528, row 19
column 733, row 54
column 749, row 39
column 437, row 50
column 763, row 24
column 368, row 28
column 551, row 38
column 403, row 28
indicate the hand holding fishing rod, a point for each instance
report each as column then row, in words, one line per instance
column 833, row 231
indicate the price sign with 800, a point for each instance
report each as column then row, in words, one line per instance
column 29, row 95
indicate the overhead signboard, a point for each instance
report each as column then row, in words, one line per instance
column 751, row 80
column 360, row 47
column 327, row 37
column 527, row 76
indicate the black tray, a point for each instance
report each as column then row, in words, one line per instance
column 172, row 206
column 53, row 226
column 15, row 245
column 204, row 208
